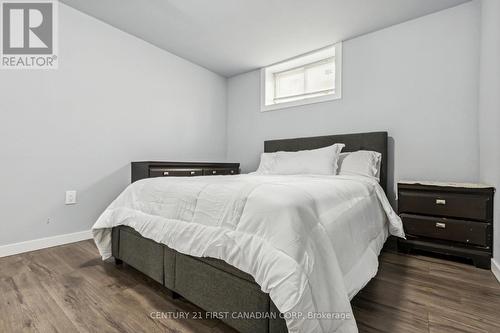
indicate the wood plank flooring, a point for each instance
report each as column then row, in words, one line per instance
column 69, row 289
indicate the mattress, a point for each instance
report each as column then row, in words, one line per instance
column 311, row 242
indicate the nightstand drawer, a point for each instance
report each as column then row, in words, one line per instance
column 466, row 206
column 173, row 172
column 468, row 232
column 219, row 172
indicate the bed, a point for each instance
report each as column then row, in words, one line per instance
column 244, row 256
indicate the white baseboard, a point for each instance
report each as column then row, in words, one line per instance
column 43, row 243
column 495, row 268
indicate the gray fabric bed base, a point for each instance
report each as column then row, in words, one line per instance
column 211, row 284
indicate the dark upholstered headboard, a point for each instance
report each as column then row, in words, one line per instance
column 376, row 141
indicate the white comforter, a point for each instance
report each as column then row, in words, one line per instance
column 311, row 242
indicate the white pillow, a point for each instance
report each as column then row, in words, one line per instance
column 361, row 162
column 322, row 161
column 267, row 163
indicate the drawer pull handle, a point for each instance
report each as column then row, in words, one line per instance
column 214, row 172
column 165, row 173
column 192, row 172
column 440, row 202
column 440, row 225
column 232, row 171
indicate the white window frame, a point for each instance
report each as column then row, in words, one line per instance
column 267, row 81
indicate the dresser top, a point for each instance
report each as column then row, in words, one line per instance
column 188, row 164
column 444, row 184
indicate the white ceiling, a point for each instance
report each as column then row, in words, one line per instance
column 235, row 36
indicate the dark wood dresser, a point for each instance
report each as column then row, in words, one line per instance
column 448, row 218
column 141, row 170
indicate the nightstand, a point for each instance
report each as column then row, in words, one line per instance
column 448, row 218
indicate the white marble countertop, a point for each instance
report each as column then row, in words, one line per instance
column 445, row 184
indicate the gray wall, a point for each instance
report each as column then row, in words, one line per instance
column 489, row 106
column 113, row 100
column 417, row 80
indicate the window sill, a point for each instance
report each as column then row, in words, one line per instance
column 306, row 101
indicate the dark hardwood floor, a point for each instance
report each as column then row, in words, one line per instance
column 69, row 289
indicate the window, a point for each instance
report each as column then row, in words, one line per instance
column 311, row 78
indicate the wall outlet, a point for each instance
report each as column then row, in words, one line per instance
column 70, row 197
